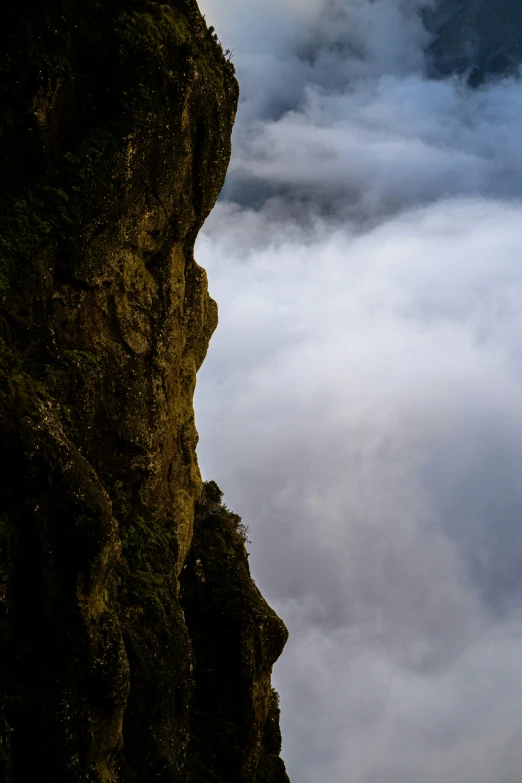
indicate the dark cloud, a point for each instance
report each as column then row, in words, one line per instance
column 361, row 403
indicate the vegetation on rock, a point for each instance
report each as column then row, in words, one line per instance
column 237, row 637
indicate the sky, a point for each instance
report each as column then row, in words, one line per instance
column 361, row 402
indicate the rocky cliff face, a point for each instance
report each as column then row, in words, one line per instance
column 115, row 126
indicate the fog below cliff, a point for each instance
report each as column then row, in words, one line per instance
column 361, row 402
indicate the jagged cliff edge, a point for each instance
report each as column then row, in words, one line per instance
column 134, row 644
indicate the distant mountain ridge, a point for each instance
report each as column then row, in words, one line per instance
column 481, row 37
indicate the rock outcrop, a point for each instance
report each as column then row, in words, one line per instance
column 234, row 632
column 115, row 128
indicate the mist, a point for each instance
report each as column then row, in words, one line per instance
column 361, row 402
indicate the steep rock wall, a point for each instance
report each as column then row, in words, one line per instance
column 115, row 127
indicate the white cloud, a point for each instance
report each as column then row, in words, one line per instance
column 361, row 403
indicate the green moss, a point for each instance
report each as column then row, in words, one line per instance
column 159, row 24
column 30, row 222
column 69, row 366
column 149, row 552
column 5, row 534
column 18, row 389
column 274, row 709
column 82, row 164
column 145, row 543
column 83, row 360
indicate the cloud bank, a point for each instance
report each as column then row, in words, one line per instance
column 361, row 403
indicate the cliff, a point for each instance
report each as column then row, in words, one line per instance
column 134, row 644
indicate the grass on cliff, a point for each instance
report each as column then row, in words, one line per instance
column 212, row 500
